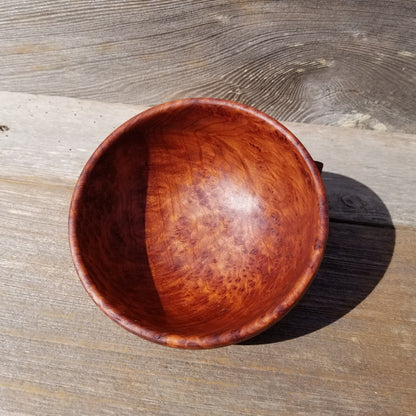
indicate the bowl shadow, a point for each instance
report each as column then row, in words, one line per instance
column 359, row 249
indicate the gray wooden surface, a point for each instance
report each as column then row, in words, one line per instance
column 347, row 348
column 349, row 63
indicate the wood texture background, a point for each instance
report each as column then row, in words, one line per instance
column 347, row 348
column 349, row 63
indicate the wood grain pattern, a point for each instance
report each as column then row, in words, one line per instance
column 347, row 348
column 339, row 63
column 198, row 223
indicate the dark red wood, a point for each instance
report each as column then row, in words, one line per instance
column 198, row 223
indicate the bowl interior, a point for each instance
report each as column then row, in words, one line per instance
column 198, row 223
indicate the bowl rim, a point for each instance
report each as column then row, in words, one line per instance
column 229, row 337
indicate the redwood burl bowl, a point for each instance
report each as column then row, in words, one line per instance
column 198, row 223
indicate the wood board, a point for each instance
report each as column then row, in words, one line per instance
column 330, row 62
column 347, row 348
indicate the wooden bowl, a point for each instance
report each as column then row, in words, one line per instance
column 198, row 223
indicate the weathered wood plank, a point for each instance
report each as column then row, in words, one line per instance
column 348, row 347
column 367, row 174
column 330, row 62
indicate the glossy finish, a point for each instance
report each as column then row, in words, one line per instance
column 198, row 223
